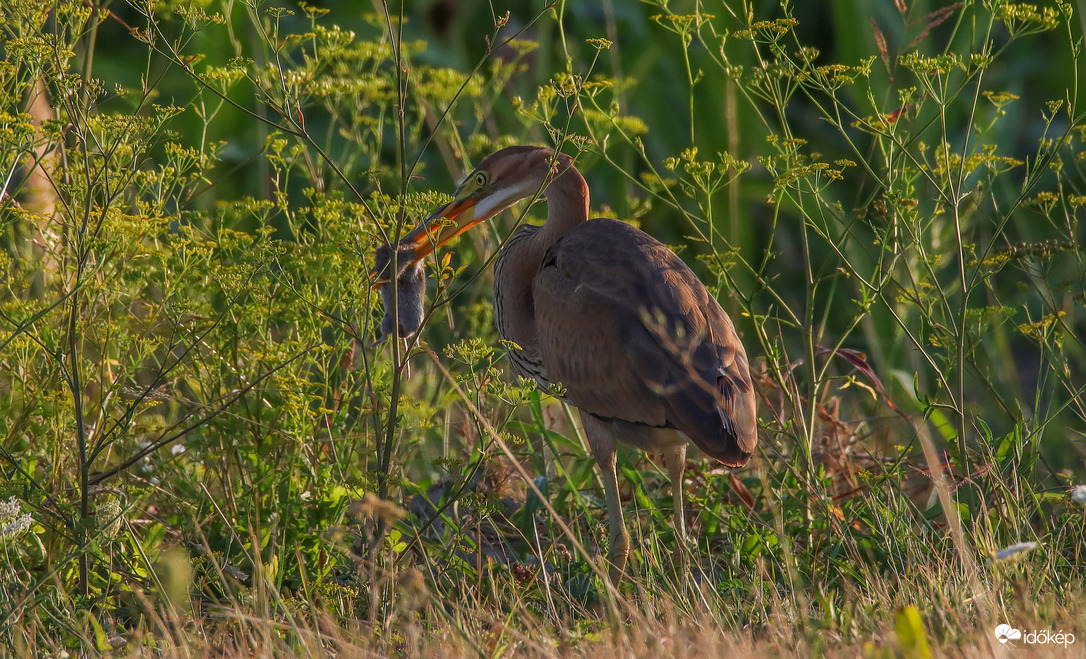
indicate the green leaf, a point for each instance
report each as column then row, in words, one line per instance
column 532, row 504
column 911, row 636
column 752, row 545
column 942, row 424
column 101, row 642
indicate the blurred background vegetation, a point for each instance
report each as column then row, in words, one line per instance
column 201, row 442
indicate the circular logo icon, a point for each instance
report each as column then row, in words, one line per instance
column 1006, row 633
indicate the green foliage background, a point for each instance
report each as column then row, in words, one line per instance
column 886, row 198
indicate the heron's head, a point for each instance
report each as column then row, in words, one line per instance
column 501, row 179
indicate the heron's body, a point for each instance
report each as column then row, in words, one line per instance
column 634, row 338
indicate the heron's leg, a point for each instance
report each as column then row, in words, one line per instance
column 619, row 537
column 676, row 465
column 605, row 449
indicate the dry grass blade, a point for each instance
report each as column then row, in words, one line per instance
column 934, row 20
column 880, row 43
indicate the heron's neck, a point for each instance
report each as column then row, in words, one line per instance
column 567, row 206
column 521, row 255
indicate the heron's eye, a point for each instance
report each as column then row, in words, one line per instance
column 481, row 179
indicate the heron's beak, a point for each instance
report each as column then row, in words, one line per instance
column 442, row 225
column 436, row 229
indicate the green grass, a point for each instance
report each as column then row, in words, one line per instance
column 204, row 452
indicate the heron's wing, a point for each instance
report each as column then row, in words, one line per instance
column 631, row 333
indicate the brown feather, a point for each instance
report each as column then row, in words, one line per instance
column 631, row 333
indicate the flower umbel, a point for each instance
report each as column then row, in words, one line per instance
column 12, row 524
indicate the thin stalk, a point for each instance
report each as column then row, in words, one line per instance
column 74, row 374
column 385, row 448
column 76, row 388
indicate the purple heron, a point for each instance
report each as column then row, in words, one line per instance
column 636, row 341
